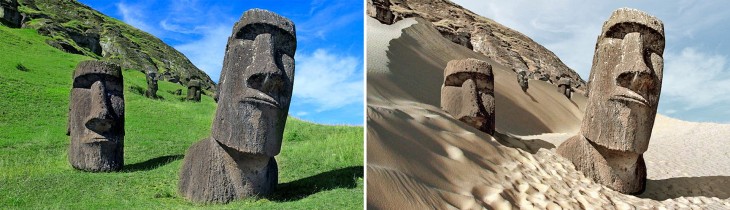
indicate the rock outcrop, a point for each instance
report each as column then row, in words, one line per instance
column 96, row 117
column 504, row 45
column 237, row 160
column 79, row 29
column 626, row 80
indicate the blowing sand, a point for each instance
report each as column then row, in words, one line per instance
column 419, row 157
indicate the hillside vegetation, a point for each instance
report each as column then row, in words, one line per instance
column 321, row 167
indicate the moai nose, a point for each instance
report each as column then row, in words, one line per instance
column 100, row 119
column 267, row 77
column 634, row 72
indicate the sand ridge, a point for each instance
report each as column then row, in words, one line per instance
column 419, row 157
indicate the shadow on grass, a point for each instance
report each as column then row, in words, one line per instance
column 298, row 189
column 151, row 163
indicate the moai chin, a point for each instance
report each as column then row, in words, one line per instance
column 151, row 85
column 254, row 93
column 625, row 83
column 468, row 93
column 96, row 117
column 194, row 90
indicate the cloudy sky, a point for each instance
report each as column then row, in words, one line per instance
column 696, row 85
column 328, row 84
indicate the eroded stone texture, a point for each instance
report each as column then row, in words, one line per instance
column 254, row 93
column 564, row 86
column 380, row 10
column 194, row 90
column 522, row 79
column 468, row 93
column 96, row 117
column 151, row 85
column 625, row 84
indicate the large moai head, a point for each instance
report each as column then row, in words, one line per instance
column 194, row 89
column 256, row 83
column 468, row 93
column 625, row 81
column 96, row 117
column 151, row 84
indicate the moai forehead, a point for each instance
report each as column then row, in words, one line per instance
column 626, row 20
column 90, row 71
column 258, row 21
column 458, row 71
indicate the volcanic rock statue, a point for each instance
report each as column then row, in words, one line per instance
column 194, row 90
column 564, row 86
column 255, row 89
column 96, row 117
column 468, row 93
column 151, row 85
column 625, row 82
column 522, row 79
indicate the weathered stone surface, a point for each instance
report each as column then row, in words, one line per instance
column 194, row 90
column 9, row 14
column 151, row 85
column 380, row 10
column 564, row 86
column 96, row 117
column 468, row 93
column 253, row 101
column 625, row 84
column 522, row 79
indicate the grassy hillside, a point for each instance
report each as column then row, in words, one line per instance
column 320, row 166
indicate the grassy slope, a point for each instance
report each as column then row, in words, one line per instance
column 320, row 166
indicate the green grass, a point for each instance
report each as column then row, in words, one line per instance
column 320, row 167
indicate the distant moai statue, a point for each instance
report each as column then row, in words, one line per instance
column 237, row 160
column 468, row 93
column 151, row 85
column 564, row 86
column 522, row 79
column 96, row 117
column 194, row 90
column 625, row 83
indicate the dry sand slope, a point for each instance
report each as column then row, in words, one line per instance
column 419, row 157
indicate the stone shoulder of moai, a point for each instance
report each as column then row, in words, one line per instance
column 625, row 83
column 96, row 117
column 468, row 93
column 254, row 94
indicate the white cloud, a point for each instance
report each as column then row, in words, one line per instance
column 133, row 15
column 695, row 79
column 207, row 53
column 327, row 81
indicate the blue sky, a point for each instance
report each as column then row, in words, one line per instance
column 696, row 85
column 328, row 84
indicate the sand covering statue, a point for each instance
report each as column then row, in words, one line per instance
column 255, row 90
column 625, row 83
column 96, row 117
column 151, row 85
column 468, row 93
column 194, row 90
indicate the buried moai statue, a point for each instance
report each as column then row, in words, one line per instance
column 254, row 93
column 151, row 85
column 522, row 79
column 468, row 93
column 96, row 117
column 194, row 90
column 564, row 86
column 625, row 83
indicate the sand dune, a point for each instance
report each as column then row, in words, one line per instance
column 419, row 157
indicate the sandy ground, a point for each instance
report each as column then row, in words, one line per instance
column 419, row 157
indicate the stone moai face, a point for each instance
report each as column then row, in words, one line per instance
column 151, row 84
column 256, row 84
column 468, row 93
column 194, row 90
column 96, row 117
column 625, row 82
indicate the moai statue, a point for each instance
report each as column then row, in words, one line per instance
column 625, row 83
column 151, row 85
column 522, row 79
column 237, row 160
column 194, row 90
column 468, row 93
column 564, row 86
column 96, row 117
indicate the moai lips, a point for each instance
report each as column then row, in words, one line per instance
column 253, row 96
column 96, row 117
column 468, row 93
column 625, row 83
